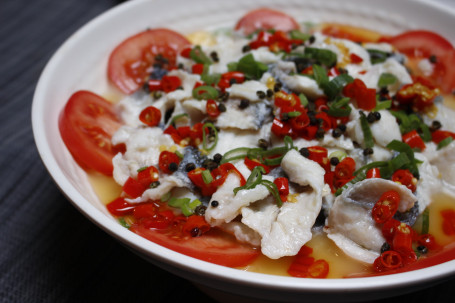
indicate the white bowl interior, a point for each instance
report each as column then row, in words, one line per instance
column 81, row 64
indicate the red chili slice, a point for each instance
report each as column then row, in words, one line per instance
column 402, row 239
column 133, row 188
column 212, row 109
column 170, row 83
column 283, row 187
column 404, row 177
column 252, row 163
column 388, row 260
column 148, row 175
column 119, row 207
column 345, row 169
column 414, row 140
column 373, row 173
column 150, row 116
column 195, row 226
column 365, row 97
column 197, row 68
column 165, row 159
column 386, row 207
column 439, row 135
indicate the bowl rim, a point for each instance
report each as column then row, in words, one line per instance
column 171, row 257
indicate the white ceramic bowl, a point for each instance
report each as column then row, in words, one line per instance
column 80, row 63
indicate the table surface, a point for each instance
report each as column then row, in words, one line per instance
column 49, row 252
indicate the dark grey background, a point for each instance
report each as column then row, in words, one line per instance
column 49, row 252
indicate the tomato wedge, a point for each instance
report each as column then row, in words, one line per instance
column 214, row 246
column 130, row 62
column 419, row 44
column 86, row 125
column 266, row 18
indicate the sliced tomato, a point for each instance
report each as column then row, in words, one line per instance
column 86, row 125
column 266, row 18
column 419, row 44
column 130, row 62
column 213, row 246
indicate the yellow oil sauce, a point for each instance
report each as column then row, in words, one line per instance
column 340, row 265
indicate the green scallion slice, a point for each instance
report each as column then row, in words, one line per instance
column 199, row 56
column 323, row 56
column 205, row 140
column 207, row 177
column 386, row 79
column 445, row 142
column 367, row 134
column 205, row 92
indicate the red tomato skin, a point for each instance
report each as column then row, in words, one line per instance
column 265, row 18
column 132, row 49
column 214, row 246
column 423, row 44
column 86, row 125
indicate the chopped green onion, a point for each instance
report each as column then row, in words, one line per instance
column 382, row 105
column 340, row 108
column 198, row 56
column 123, row 223
column 298, row 35
column 334, row 87
column 235, row 154
column 207, row 176
column 141, row 169
column 406, row 149
column 367, row 134
column 338, row 154
column 445, row 142
column 179, row 154
column 377, row 56
column 323, row 56
column 386, row 79
column 254, row 179
column 177, row 117
column 249, row 66
column 178, row 202
column 204, row 136
column 273, row 189
column 205, row 92
column 210, row 79
column 189, row 207
column 293, row 114
column 320, row 75
column 303, row 100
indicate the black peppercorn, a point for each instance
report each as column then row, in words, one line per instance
column 377, row 115
column 433, row 59
column 222, row 107
column 368, row 151
column 304, row 152
column 320, row 133
column 195, row 232
column 334, row 161
column 312, row 39
column 422, row 249
column 262, row 143
column 189, row 167
column 269, row 93
column 371, row 118
column 173, row 166
column 244, row 103
column 342, row 127
column 435, row 125
column 214, row 203
column 277, row 87
column 154, row 184
column 246, row 48
column 385, row 247
column 200, row 210
column 260, row 94
column 336, row 133
column 217, row 158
